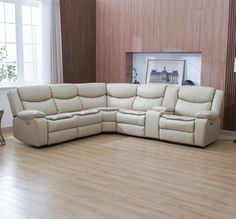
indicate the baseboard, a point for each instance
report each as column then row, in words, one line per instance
column 227, row 132
column 7, row 131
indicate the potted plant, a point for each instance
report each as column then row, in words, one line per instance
column 135, row 76
column 7, row 72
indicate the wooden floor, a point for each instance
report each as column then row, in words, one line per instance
column 120, row 177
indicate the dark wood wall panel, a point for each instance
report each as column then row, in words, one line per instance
column 78, row 19
column 113, row 39
column 125, row 26
column 230, row 81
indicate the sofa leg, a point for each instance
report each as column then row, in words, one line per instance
column 2, row 140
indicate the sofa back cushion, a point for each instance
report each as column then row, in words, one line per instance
column 194, row 99
column 148, row 96
column 121, row 95
column 171, row 96
column 66, row 98
column 15, row 102
column 38, row 97
column 217, row 101
column 92, row 95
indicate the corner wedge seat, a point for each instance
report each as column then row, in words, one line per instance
column 45, row 115
column 108, row 118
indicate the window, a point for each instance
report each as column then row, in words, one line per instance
column 20, row 39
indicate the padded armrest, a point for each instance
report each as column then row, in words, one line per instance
column 163, row 109
column 207, row 115
column 30, row 114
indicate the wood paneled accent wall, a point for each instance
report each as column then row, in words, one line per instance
column 126, row 26
column 230, row 80
column 78, row 19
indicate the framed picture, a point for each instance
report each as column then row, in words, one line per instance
column 165, row 71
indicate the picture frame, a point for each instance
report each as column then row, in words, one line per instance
column 165, row 71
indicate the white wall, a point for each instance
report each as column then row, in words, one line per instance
column 192, row 64
column 7, row 117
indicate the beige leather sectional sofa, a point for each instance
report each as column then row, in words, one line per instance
column 45, row 115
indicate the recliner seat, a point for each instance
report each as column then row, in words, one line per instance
column 45, row 115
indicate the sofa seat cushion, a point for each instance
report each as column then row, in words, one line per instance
column 69, row 115
column 73, row 120
column 175, row 117
column 59, row 116
column 177, row 123
column 108, row 108
column 133, row 112
column 61, row 122
column 131, row 117
column 86, row 112
column 108, row 113
column 89, row 117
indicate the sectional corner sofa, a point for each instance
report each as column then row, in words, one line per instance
column 45, row 115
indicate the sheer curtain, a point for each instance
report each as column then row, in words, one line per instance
column 52, row 68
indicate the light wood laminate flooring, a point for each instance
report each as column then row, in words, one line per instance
column 121, row 177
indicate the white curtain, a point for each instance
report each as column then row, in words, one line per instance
column 52, row 67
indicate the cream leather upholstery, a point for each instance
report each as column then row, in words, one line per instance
column 217, row 101
column 108, row 118
column 92, row 95
column 193, row 113
column 131, row 129
column 62, row 124
column 171, row 96
column 163, row 109
column 211, row 115
column 45, row 115
column 65, row 97
column 131, row 122
column 33, row 132
column 177, row 136
column 30, row 114
column 193, row 100
column 62, row 136
column 148, row 96
column 90, row 119
column 121, row 95
column 206, row 131
column 15, row 102
column 37, row 98
column 152, row 125
column 131, row 118
column 172, row 122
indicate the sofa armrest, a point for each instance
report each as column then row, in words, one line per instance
column 31, row 131
column 163, row 109
column 207, row 115
column 30, row 114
